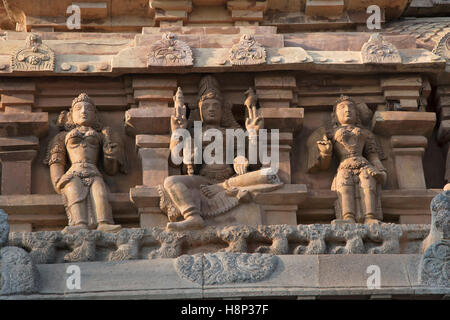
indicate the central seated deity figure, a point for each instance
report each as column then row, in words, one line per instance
column 209, row 190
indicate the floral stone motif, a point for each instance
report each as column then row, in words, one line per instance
column 248, row 51
column 377, row 50
column 170, row 52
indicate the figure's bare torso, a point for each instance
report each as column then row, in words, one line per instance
column 83, row 145
column 349, row 141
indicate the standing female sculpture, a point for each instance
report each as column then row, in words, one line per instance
column 360, row 170
column 81, row 142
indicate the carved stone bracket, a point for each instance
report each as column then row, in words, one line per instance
column 169, row 52
column 378, row 50
column 36, row 56
column 247, row 52
column 225, row 267
column 434, row 266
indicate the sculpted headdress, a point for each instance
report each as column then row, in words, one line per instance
column 209, row 88
column 65, row 121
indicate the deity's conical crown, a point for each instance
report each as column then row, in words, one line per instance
column 83, row 97
column 209, row 89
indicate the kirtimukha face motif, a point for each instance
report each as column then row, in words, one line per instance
column 346, row 113
column 83, row 114
column 211, row 110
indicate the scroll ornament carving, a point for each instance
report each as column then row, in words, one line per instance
column 434, row 266
column 443, row 47
column 170, row 52
column 247, row 52
column 36, row 56
column 378, row 50
column 18, row 274
column 226, row 267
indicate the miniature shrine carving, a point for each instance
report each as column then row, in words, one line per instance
column 212, row 189
column 36, row 56
column 247, row 52
column 81, row 143
column 360, row 174
column 378, row 50
column 170, row 52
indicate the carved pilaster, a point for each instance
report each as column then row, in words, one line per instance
column 276, row 95
column 150, row 123
column 20, row 129
column 408, row 132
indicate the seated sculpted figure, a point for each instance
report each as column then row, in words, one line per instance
column 212, row 189
column 360, row 173
column 82, row 142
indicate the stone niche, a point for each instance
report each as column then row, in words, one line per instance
column 139, row 107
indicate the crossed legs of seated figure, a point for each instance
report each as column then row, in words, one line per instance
column 184, row 191
column 346, row 196
column 97, row 196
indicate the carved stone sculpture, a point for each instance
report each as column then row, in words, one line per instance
column 378, row 50
column 226, row 267
column 247, row 52
column 83, row 141
column 36, row 56
column 214, row 188
column 434, row 266
column 360, row 174
column 170, row 52
column 18, row 274
column 443, row 47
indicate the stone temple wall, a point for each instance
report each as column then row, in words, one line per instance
column 88, row 117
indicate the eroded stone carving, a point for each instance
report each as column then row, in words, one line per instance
column 226, row 267
column 83, row 141
column 247, row 52
column 4, row 228
column 434, row 266
column 18, row 274
column 170, row 52
column 218, row 187
column 360, row 174
column 130, row 244
column 36, row 56
column 378, row 50
column 443, row 47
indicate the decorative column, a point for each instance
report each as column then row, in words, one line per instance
column 20, row 129
column 277, row 98
column 408, row 132
column 150, row 123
